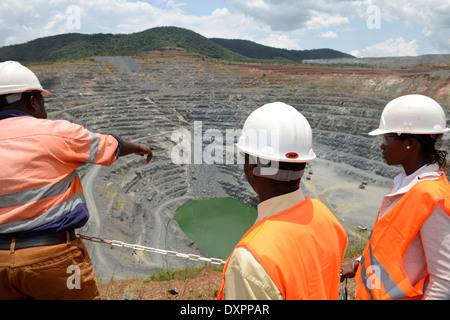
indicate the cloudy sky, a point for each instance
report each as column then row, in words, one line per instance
column 364, row 28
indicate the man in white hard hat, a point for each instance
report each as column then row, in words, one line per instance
column 295, row 248
column 41, row 197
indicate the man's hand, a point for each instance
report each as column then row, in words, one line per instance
column 144, row 150
column 129, row 147
column 349, row 270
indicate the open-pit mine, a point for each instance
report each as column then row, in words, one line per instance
column 153, row 99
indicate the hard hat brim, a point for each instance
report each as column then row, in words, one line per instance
column 28, row 89
column 278, row 159
column 378, row 132
column 45, row 93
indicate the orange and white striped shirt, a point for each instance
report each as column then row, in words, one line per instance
column 40, row 191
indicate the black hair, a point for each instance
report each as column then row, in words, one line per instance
column 26, row 96
column 3, row 101
column 291, row 166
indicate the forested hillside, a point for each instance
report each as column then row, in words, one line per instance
column 75, row 46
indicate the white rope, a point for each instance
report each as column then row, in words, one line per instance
column 116, row 243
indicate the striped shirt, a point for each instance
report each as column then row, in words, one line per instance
column 40, row 191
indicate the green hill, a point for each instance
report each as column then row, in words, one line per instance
column 257, row 51
column 75, row 46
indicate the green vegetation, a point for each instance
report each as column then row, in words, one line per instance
column 75, row 46
column 183, row 273
column 357, row 242
column 257, row 51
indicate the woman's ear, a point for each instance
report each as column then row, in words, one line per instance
column 412, row 144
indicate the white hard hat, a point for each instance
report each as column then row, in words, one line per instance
column 412, row 114
column 15, row 79
column 277, row 132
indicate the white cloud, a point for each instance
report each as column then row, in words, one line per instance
column 390, row 48
column 223, row 24
column 329, row 34
column 291, row 15
column 281, row 41
column 280, row 23
column 408, row 16
column 432, row 15
column 24, row 20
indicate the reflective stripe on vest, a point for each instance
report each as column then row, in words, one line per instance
column 381, row 274
column 93, row 151
column 304, row 254
column 375, row 275
column 26, row 211
column 21, row 198
column 52, row 214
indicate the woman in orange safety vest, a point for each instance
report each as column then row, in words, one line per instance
column 408, row 253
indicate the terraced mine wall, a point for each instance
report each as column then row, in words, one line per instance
column 147, row 99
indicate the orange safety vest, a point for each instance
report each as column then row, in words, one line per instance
column 381, row 275
column 301, row 249
column 38, row 181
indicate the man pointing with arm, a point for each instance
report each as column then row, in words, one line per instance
column 41, row 197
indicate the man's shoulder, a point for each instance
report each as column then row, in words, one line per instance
column 62, row 128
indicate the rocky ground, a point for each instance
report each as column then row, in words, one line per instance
column 205, row 286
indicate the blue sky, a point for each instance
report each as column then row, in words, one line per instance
column 364, row 28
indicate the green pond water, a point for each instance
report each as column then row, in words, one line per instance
column 215, row 225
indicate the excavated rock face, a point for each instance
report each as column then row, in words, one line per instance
column 158, row 99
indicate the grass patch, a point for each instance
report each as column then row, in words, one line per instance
column 357, row 242
column 182, row 273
